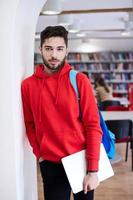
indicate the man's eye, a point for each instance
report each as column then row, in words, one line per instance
column 60, row 49
column 48, row 49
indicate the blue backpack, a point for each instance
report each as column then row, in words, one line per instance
column 108, row 138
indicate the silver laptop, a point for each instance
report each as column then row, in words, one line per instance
column 75, row 168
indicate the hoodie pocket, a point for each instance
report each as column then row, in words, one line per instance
column 56, row 143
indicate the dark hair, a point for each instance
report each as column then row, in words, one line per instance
column 101, row 82
column 54, row 31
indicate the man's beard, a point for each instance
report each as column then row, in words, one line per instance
column 59, row 66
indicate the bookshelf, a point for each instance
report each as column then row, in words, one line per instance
column 115, row 67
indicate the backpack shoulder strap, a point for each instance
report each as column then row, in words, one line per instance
column 108, row 137
column 72, row 76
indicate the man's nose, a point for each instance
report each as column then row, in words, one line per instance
column 54, row 53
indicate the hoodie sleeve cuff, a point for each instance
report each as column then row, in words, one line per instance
column 92, row 166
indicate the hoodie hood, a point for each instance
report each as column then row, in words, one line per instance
column 40, row 71
column 42, row 75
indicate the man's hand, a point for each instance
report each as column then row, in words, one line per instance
column 90, row 182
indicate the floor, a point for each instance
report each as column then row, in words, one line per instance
column 119, row 186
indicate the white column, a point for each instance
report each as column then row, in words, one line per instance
column 18, row 20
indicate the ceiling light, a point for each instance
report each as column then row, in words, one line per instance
column 127, row 29
column 65, row 20
column 125, row 33
column 52, row 7
column 82, row 34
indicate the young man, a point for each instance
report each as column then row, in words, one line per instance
column 52, row 118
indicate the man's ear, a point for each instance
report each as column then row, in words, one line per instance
column 66, row 52
column 40, row 50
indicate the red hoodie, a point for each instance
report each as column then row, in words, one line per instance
column 51, row 114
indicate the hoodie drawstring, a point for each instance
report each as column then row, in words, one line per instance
column 56, row 99
column 58, row 89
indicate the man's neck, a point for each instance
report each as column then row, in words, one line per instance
column 48, row 71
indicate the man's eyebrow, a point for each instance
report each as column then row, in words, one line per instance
column 52, row 47
column 47, row 46
column 60, row 47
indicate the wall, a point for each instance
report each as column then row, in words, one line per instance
column 18, row 165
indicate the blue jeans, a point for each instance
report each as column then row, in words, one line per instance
column 56, row 185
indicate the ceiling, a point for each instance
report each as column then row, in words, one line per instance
column 97, row 18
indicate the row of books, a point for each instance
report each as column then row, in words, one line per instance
column 101, row 56
column 122, row 86
column 96, row 57
column 114, row 78
column 122, row 56
column 117, row 77
column 120, row 67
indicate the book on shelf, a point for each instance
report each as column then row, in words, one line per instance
column 131, row 56
column 105, row 56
